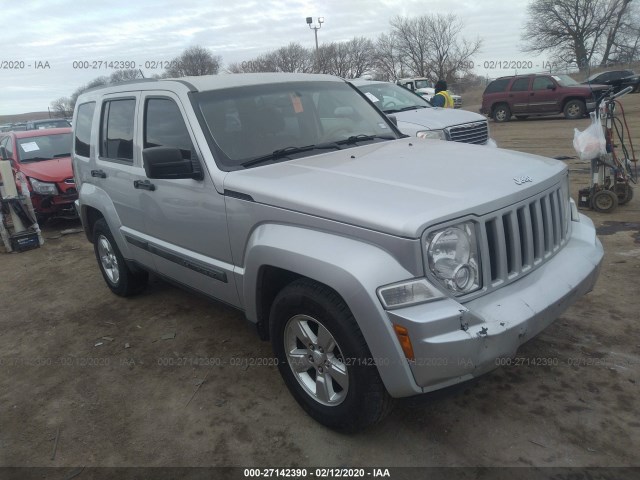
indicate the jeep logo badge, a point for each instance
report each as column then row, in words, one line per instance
column 522, row 179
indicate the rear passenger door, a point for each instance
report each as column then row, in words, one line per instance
column 186, row 218
column 118, row 167
column 519, row 96
column 544, row 95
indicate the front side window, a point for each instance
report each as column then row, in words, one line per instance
column 165, row 127
column 116, row 139
column 84, row 123
column 542, row 83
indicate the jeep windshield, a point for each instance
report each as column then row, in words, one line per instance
column 251, row 126
column 44, row 147
column 391, row 98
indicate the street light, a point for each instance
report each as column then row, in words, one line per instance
column 314, row 28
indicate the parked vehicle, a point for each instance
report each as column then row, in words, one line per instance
column 620, row 79
column 417, row 117
column 426, row 89
column 44, row 157
column 47, row 123
column 378, row 265
column 536, row 95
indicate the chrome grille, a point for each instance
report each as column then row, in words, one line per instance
column 476, row 132
column 518, row 239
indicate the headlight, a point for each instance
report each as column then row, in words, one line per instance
column 452, row 254
column 43, row 188
column 435, row 134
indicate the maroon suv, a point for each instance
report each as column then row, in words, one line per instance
column 538, row 94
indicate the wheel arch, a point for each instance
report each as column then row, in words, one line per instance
column 279, row 254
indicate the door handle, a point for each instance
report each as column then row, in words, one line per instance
column 144, row 185
column 98, row 173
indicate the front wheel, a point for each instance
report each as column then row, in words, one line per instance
column 119, row 277
column 501, row 113
column 324, row 359
column 574, row 109
column 624, row 192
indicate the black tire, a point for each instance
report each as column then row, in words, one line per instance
column 574, row 109
column 127, row 282
column 624, row 192
column 522, row 117
column 604, row 201
column 501, row 113
column 365, row 400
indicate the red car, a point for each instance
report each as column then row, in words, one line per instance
column 43, row 156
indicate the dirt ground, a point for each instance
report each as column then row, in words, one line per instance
column 91, row 379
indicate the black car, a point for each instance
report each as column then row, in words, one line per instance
column 48, row 123
column 620, row 79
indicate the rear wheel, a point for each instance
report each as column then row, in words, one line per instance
column 119, row 277
column 574, row 109
column 324, row 359
column 501, row 113
column 604, row 201
column 624, row 192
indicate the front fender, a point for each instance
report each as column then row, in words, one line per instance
column 353, row 269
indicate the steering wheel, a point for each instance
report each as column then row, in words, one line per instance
column 389, row 104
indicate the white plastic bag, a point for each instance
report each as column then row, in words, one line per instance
column 590, row 143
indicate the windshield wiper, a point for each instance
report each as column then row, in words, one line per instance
column 286, row 151
column 363, row 138
column 34, row 159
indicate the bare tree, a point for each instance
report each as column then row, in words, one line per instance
column 351, row 59
column 432, row 46
column 293, row 58
column 576, row 32
column 125, row 75
column 626, row 45
column 387, row 60
column 62, row 107
column 194, row 61
column 410, row 36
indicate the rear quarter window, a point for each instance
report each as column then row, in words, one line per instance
column 497, row 86
column 84, row 124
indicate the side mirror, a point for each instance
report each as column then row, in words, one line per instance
column 393, row 119
column 166, row 162
column 551, row 87
column 4, row 154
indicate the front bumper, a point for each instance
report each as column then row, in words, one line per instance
column 454, row 342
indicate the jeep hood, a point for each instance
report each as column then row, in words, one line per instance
column 54, row 170
column 399, row 187
column 413, row 121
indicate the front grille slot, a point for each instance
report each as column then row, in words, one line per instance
column 476, row 132
column 524, row 236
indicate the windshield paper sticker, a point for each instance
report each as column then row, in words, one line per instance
column 371, row 97
column 29, row 147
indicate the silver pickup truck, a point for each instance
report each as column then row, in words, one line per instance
column 378, row 265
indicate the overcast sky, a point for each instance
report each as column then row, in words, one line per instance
column 59, row 32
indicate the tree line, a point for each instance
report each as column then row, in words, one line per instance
column 429, row 46
column 576, row 33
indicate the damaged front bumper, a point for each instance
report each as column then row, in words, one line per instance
column 454, row 342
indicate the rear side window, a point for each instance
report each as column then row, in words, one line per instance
column 496, row 86
column 84, row 122
column 520, row 85
column 116, row 129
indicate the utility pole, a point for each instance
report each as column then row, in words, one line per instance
column 315, row 28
